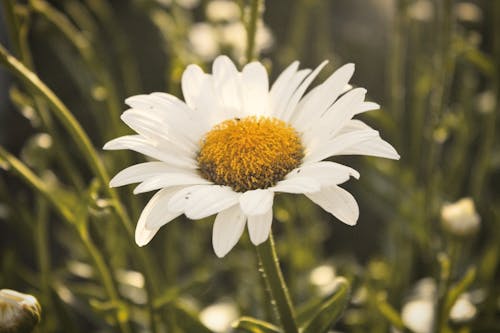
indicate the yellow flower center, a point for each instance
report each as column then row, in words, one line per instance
column 249, row 153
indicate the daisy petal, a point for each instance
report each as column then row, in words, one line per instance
column 255, row 89
column 184, row 177
column 367, row 106
column 374, row 147
column 338, row 202
column 154, row 216
column 192, row 81
column 140, row 172
column 200, row 201
column 325, row 172
column 296, row 184
column 316, row 102
column 227, row 84
column 256, row 202
column 338, row 144
column 259, row 227
column 146, row 147
column 297, row 95
column 228, row 227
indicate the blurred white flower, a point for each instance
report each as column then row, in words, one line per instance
column 460, row 218
column 418, row 315
column 463, row 310
column 219, row 316
column 223, row 10
column 187, row 4
column 421, row 10
column 323, row 278
column 18, row 312
column 235, row 142
column 234, row 36
column 204, row 41
column 468, row 12
column 418, row 312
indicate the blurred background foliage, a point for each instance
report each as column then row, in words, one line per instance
column 434, row 66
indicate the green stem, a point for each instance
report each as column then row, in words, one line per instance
column 106, row 278
column 252, row 29
column 67, row 213
column 482, row 167
column 271, row 271
column 44, row 261
column 84, row 47
column 89, row 153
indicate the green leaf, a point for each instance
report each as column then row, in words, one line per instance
column 252, row 325
column 330, row 310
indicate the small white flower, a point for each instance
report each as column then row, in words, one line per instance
column 418, row 315
column 18, row 312
column 204, row 40
column 235, row 142
column 223, row 10
column 460, row 218
column 218, row 317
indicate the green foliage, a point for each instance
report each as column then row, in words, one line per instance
column 67, row 238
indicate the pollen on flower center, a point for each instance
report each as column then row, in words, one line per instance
column 249, row 153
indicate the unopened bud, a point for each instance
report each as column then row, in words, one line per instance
column 19, row 313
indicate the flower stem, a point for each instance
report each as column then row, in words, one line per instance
column 278, row 290
column 252, row 29
column 89, row 153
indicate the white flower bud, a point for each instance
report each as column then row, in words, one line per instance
column 460, row 218
column 19, row 313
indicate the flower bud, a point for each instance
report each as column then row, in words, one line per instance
column 460, row 218
column 19, row 313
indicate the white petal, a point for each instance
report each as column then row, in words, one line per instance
column 373, row 147
column 326, row 173
column 296, row 184
column 255, row 89
column 283, row 80
column 337, row 202
column 329, row 124
column 192, row 81
column 259, row 227
column 182, row 177
column 338, row 144
column 367, row 106
column 140, row 172
column 256, row 202
column 146, row 147
column 297, row 95
column 154, row 216
column 159, row 131
column 228, row 227
column 227, row 85
column 200, row 201
column 280, row 96
column 316, row 102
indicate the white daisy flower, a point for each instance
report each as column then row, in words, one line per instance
column 234, row 142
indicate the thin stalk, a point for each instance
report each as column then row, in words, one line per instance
column 84, row 47
column 252, row 29
column 44, row 260
column 130, row 73
column 277, row 288
column 486, row 148
column 67, row 213
column 19, row 37
column 89, row 153
column 397, row 58
column 106, row 277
